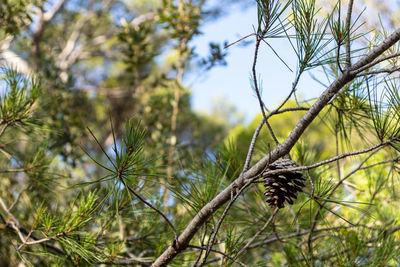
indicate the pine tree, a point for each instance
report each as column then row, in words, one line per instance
column 104, row 162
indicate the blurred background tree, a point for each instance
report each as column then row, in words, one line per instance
column 105, row 162
column 99, row 62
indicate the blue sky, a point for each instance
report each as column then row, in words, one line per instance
column 232, row 82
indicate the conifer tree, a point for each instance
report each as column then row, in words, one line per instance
column 104, row 162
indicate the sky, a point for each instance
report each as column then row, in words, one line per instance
column 232, row 82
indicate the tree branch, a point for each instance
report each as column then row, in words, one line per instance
column 327, row 161
column 261, row 103
column 379, row 60
column 379, row 71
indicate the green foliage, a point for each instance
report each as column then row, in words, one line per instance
column 217, row 56
column 229, row 159
column 142, row 46
column 310, row 34
column 201, row 183
column 19, row 95
column 270, row 23
column 182, row 18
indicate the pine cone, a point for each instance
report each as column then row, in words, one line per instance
column 285, row 186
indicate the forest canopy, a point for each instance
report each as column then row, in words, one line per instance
column 104, row 161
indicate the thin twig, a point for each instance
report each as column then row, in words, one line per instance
column 348, row 26
column 258, row 232
column 379, row 71
column 30, row 232
column 215, row 259
column 7, row 210
column 298, row 234
column 212, row 240
column 152, row 207
column 18, row 170
column 129, row 261
column 277, row 55
column 270, row 114
column 14, row 224
column 324, row 162
column 202, row 245
column 294, row 85
column 377, row 61
column 258, row 41
column 219, row 252
column 38, row 241
column 4, row 128
column 259, row 127
column 380, row 163
column 338, row 56
column 330, row 255
column 322, row 205
column 276, row 232
column 241, row 39
column 315, row 237
column 252, row 145
column 18, row 197
column 8, row 123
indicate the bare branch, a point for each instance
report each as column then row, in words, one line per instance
column 49, row 15
column 71, row 42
